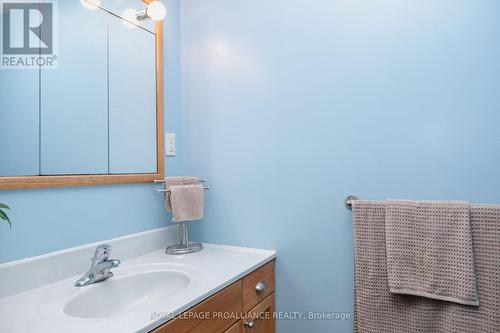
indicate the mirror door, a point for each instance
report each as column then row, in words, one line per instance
column 94, row 118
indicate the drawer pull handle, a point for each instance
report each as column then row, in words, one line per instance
column 249, row 324
column 260, row 287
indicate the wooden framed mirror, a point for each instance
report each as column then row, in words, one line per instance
column 95, row 119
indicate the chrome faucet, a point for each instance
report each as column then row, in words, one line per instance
column 99, row 270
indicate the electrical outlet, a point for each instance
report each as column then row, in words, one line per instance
column 169, row 144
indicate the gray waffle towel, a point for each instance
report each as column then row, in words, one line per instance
column 377, row 310
column 429, row 250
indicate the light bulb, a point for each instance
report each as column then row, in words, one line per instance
column 129, row 18
column 91, row 4
column 156, row 10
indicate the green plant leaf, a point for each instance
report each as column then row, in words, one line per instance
column 4, row 217
column 4, row 206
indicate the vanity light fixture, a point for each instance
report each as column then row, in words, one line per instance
column 155, row 11
column 91, row 4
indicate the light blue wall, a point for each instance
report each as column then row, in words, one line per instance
column 46, row 220
column 288, row 106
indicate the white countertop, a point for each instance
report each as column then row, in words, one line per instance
column 218, row 267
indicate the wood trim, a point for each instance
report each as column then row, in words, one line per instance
column 160, row 102
column 24, row 182
column 14, row 183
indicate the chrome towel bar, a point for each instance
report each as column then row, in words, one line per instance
column 164, row 181
column 163, row 190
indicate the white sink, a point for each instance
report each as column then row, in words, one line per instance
column 120, row 294
column 132, row 288
column 145, row 292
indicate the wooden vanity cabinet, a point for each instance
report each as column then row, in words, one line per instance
column 260, row 319
column 246, row 306
column 236, row 328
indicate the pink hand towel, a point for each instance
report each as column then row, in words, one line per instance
column 187, row 202
column 175, row 181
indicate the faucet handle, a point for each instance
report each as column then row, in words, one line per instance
column 102, row 252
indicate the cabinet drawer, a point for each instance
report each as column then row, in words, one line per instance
column 260, row 319
column 258, row 285
column 226, row 301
